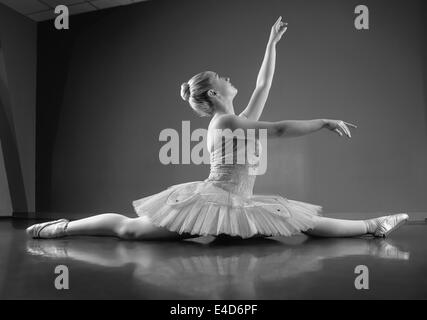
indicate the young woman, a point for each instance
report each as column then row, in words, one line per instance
column 224, row 204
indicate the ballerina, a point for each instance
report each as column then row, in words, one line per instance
column 224, row 203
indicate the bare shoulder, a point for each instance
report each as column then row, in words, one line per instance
column 227, row 121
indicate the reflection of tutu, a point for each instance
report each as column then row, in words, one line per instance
column 206, row 208
column 227, row 272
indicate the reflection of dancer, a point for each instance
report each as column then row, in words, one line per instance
column 219, row 269
column 224, row 203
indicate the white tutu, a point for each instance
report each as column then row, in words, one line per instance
column 225, row 204
column 203, row 208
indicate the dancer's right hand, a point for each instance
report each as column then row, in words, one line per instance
column 339, row 126
column 277, row 30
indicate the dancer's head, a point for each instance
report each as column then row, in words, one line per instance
column 208, row 93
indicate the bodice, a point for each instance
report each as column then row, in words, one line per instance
column 234, row 163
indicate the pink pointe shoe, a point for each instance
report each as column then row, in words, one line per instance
column 48, row 230
column 387, row 224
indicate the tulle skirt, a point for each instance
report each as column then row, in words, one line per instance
column 206, row 208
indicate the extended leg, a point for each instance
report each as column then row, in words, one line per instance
column 379, row 227
column 142, row 229
column 329, row 227
column 109, row 224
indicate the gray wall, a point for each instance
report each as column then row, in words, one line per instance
column 18, row 55
column 127, row 64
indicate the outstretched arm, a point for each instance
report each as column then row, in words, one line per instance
column 265, row 76
column 285, row 128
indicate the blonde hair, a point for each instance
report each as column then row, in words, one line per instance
column 195, row 91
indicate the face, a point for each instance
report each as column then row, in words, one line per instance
column 224, row 86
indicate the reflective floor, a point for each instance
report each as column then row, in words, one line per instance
column 206, row 268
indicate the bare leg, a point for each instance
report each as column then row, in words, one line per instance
column 379, row 227
column 116, row 225
column 329, row 227
column 107, row 224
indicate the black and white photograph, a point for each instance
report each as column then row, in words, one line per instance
column 213, row 154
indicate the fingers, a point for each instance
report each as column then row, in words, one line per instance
column 276, row 24
column 338, row 131
column 279, row 28
column 282, row 27
column 350, row 124
column 279, row 24
column 344, row 128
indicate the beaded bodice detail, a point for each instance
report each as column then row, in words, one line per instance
column 234, row 163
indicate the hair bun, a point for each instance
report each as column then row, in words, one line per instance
column 185, row 91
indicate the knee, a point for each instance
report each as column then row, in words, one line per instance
column 126, row 231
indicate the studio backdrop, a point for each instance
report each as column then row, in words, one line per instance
column 110, row 84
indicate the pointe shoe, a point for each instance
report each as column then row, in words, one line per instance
column 390, row 223
column 51, row 229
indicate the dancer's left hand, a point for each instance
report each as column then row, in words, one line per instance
column 339, row 126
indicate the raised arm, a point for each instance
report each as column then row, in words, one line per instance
column 285, row 128
column 265, row 76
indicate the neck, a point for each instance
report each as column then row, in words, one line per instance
column 226, row 108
